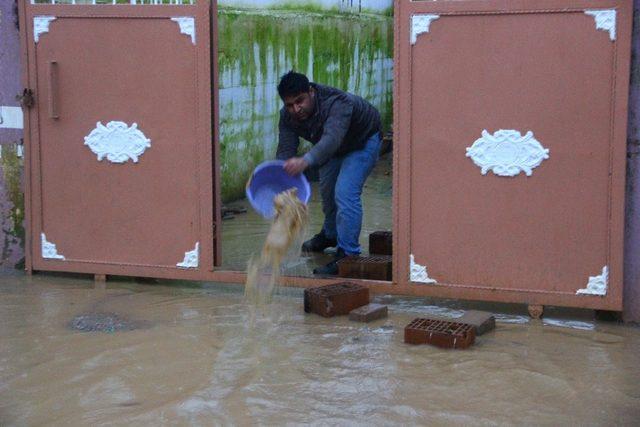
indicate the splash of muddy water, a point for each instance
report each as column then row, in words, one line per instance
column 283, row 239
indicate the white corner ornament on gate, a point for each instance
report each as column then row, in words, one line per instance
column 419, row 272
column 117, row 141
column 420, row 24
column 507, row 153
column 597, row 285
column 41, row 26
column 605, row 21
column 190, row 258
column 49, row 250
column 187, row 26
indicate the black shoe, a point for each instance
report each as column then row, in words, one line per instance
column 331, row 269
column 318, row 243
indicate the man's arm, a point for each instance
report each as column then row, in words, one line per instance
column 288, row 141
column 334, row 130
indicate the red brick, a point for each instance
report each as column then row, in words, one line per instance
column 336, row 299
column 440, row 333
column 368, row 313
column 482, row 321
column 377, row 267
column 381, row 243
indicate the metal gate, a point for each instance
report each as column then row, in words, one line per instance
column 510, row 165
column 119, row 138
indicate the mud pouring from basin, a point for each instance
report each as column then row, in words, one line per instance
column 268, row 179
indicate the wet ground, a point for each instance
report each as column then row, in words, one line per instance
column 73, row 352
column 244, row 235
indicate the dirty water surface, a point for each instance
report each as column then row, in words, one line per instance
column 178, row 353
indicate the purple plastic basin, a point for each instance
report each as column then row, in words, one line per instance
column 269, row 179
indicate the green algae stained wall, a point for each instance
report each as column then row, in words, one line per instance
column 349, row 51
column 12, row 231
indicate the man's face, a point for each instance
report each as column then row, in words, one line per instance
column 300, row 106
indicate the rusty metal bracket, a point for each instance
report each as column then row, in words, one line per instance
column 26, row 99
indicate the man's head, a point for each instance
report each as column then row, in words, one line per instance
column 297, row 94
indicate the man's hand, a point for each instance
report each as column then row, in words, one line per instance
column 295, row 165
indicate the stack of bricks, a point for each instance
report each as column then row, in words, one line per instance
column 375, row 267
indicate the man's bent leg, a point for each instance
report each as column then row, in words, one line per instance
column 328, row 176
column 356, row 167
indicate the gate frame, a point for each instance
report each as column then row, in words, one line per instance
column 207, row 113
column 400, row 284
column 403, row 9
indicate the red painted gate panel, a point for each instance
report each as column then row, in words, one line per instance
column 120, row 144
column 511, row 163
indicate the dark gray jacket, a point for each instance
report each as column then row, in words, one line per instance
column 341, row 123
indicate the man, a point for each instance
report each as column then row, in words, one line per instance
column 345, row 132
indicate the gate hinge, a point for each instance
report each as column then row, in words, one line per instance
column 26, row 99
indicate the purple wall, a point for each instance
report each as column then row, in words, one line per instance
column 632, row 226
column 9, row 64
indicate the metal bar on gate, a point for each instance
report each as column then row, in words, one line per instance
column 53, row 90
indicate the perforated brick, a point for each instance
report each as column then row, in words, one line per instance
column 375, row 267
column 336, row 299
column 440, row 333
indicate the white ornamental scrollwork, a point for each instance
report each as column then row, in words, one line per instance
column 605, row 21
column 49, row 250
column 187, row 26
column 190, row 258
column 597, row 285
column 117, row 141
column 41, row 26
column 419, row 272
column 420, row 24
column 507, row 153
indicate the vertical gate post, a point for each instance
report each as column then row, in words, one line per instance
column 632, row 228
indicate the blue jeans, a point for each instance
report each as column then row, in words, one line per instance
column 341, row 182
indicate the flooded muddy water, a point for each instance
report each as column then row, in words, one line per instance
column 177, row 353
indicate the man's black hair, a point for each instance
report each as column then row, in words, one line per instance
column 293, row 84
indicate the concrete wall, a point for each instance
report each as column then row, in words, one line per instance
column 375, row 6
column 351, row 52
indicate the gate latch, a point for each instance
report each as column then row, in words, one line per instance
column 26, row 99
